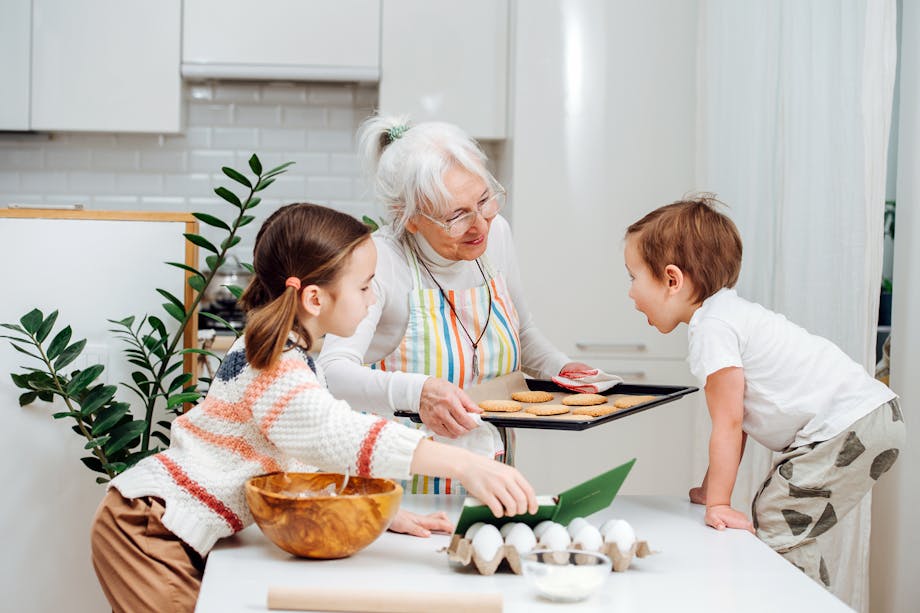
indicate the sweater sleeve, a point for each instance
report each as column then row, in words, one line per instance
column 303, row 420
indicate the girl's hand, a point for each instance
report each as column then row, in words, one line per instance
column 500, row 487
column 407, row 522
column 443, row 407
column 698, row 495
column 722, row 516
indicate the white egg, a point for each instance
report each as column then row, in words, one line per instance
column 487, row 541
column 507, row 528
column 521, row 538
column 588, row 537
column 541, row 528
column 620, row 532
column 576, row 524
column 555, row 537
column 472, row 530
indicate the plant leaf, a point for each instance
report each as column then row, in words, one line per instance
column 245, row 220
column 255, row 164
column 196, row 283
column 182, row 398
column 32, row 320
column 46, row 326
column 177, row 313
column 28, row 353
column 213, row 262
column 236, row 176
column 248, row 267
column 263, row 184
column 200, row 241
column 186, row 268
column 96, row 398
column 161, row 437
column 279, row 169
column 13, row 327
column 229, row 196
column 123, row 435
column 109, row 416
column 230, row 242
column 236, row 290
column 253, row 202
column 211, row 221
column 69, row 355
column 27, row 398
column 219, row 319
column 58, row 343
column 97, row 442
column 179, row 381
column 93, row 463
column 200, row 352
column 172, row 298
column 83, row 379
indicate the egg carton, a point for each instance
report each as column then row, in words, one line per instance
column 461, row 551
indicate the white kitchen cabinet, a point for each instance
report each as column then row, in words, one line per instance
column 604, row 124
column 447, row 61
column 668, row 442
column 106, row 65
column 282, row 39
column 15, row 28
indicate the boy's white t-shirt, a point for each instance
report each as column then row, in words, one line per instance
column 799, row 388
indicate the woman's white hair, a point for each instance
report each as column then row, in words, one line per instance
column 407, row 164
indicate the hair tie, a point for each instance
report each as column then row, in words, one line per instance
column 396, row 132
column 292, row 282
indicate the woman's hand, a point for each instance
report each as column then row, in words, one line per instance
column 443, row 407
column 500, row 487
column 575, row 368
column 722, row 516
column 407, row 522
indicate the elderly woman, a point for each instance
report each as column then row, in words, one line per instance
column 450, row 312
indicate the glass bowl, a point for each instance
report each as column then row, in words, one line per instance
column 565, row 575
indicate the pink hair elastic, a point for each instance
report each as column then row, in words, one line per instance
column 292, row 282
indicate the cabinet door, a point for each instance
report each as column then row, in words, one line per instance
column 668, row 442
column 15, row 34
column 604, row 123
column 296, row 39
column 106, row 65
column 447, row 61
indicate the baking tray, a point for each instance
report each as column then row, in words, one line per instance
column 664, row 393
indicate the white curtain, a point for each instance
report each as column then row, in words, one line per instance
column 794, row 115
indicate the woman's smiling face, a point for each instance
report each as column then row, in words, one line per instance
column 467, row 190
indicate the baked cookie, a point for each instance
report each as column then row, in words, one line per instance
column 500, row 406
column 547, row 409
column 584, row 400
column 531, row 396
column 596, row 410
column 630, row 401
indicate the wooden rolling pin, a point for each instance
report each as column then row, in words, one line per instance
column 379, row 601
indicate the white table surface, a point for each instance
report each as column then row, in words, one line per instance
column 696, row 568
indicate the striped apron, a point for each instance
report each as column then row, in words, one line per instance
column 435, row 345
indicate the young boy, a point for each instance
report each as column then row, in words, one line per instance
column 835, row 428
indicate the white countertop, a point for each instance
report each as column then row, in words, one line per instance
column 696, row 568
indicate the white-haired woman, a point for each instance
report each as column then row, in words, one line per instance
column 449, row 311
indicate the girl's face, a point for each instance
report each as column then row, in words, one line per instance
column 467, row 190
column 347, row 301
column 657, row 299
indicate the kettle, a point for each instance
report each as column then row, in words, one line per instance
column 231, row 272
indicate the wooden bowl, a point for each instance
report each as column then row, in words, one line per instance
column 294, row 517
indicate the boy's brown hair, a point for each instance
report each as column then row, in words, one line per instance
column 692, row 235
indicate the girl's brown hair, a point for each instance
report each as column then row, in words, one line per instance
column 309, row 242
column 692, row 235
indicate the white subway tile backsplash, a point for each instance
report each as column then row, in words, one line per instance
column 286, row 139
column 237, row 138
column 332, row 188
column 164, row 161
column 45, row 182
column 310, row 124
column 330, row 140
column 255, row 115
column 139, row 184
column 91, row 182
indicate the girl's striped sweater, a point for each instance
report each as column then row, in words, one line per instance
column 254, row 422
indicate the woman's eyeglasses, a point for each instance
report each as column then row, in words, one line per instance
column 462, row 222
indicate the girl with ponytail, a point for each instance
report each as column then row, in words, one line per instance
column 268, row 410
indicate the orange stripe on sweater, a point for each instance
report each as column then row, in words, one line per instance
column 234, row 444
column 195, row 489
column 367, row 448
column 228, row 411
column 258, row 386
column 278, row 408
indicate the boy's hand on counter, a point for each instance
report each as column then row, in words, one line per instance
column 407, row 522
column 697, row 495
column 722, row 516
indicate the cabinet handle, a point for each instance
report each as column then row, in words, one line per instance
column 592, row 346
column 639, row 374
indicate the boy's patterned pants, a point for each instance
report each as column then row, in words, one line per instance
column 813, row 486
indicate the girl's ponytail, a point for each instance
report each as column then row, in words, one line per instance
column 268, row 328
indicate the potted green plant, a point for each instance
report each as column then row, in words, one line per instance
column 118, row 435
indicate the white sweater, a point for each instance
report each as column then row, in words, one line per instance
column 255, row 422
column 379, row 334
